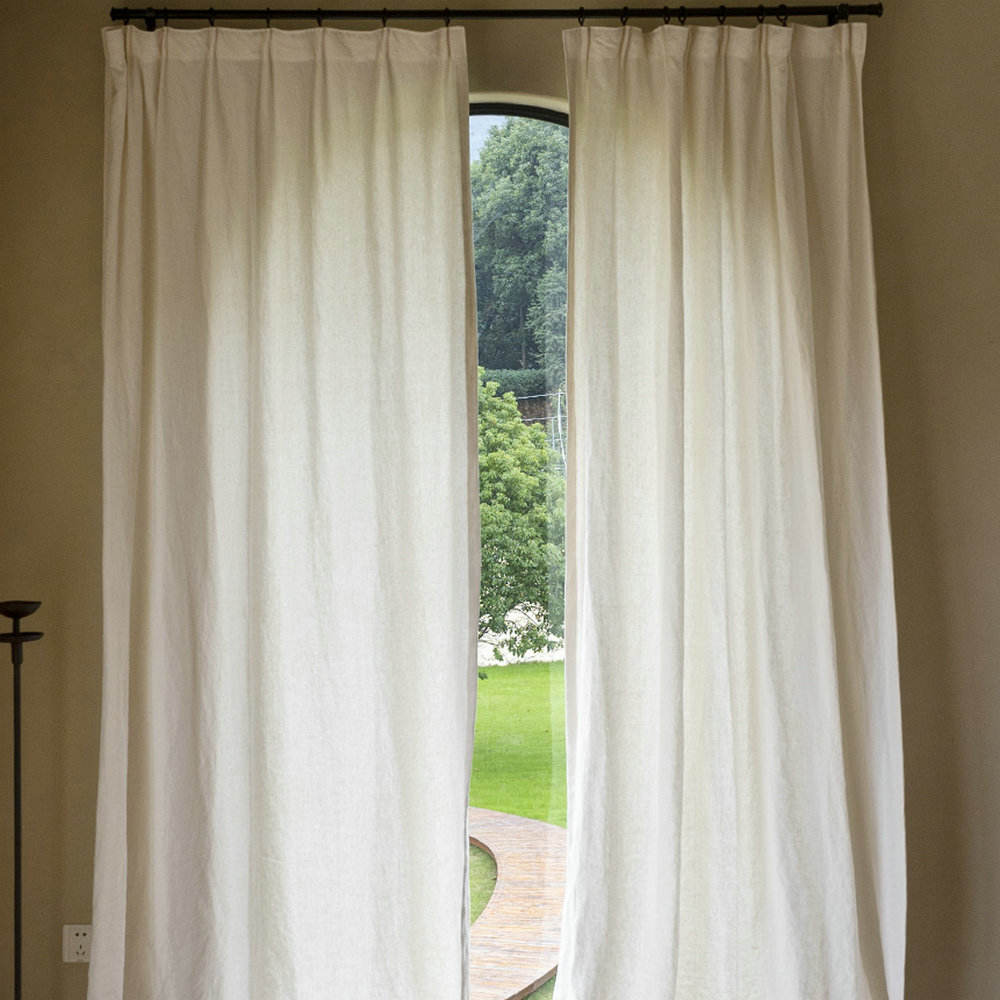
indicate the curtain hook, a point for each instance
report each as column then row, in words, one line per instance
column 166, row 18
column 783, row 15
column 211, row 17
column 580, row 17
column 385, row 17
column 761, row 14
column 447, row 18
column 267, row 16
column 666, row 15
column 721, row 16
column 624, row 17
column 319, row 17
column 682, row 15
column 844, row 12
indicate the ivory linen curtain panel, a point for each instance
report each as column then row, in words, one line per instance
column 290, row 548
column 735, row 777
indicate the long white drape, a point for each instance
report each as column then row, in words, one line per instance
column 290, row 520
column 736, row 827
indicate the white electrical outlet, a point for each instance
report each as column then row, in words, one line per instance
column 76, row 942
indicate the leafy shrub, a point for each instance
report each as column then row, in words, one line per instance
column 522, row 513
column 520, row 381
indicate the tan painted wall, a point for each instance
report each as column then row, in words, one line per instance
column 933, row 107
column 933, row 126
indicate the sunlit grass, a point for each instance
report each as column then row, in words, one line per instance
column 520, row 758
column 520, row 750
column 482, row 879
column 544, row 992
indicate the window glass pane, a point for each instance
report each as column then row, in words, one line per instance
column 518, row 791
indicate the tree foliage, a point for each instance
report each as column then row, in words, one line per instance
column 522, row 504
column 519, row 381
column 519, row 210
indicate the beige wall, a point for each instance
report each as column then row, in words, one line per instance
column 933, row 111
column 933, row 107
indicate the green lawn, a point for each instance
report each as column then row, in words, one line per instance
column 482, row 878
column 543, row 992
column 519, row 765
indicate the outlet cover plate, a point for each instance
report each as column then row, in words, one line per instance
column 76, row 942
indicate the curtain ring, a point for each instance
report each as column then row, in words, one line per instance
column 580, row 17
column 267, row 16
column 211, row 17
column 447, row 18
column 721, row 16
column 666, row 15
column 761, row 14
column 385, row 17
column 319, row 17
column 624, row 17
column 150, row 17
column 783, row 15
column 682, row 15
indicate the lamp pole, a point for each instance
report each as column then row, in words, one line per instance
column 15, row 638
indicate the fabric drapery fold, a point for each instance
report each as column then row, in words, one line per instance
column 290, row 516
column 734, row 742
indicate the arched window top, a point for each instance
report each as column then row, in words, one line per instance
column 507, row 108
column 550, row 109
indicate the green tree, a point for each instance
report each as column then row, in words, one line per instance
column 522, row 504
column 519, row 206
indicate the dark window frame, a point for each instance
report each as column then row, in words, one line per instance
column 519, row 111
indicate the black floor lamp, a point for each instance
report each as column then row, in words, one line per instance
column 16, row 610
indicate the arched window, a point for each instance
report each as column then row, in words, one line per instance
column 519, row 164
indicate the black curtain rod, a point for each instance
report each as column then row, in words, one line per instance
column 721, row 12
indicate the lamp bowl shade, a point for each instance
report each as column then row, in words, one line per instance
column 19, row 609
